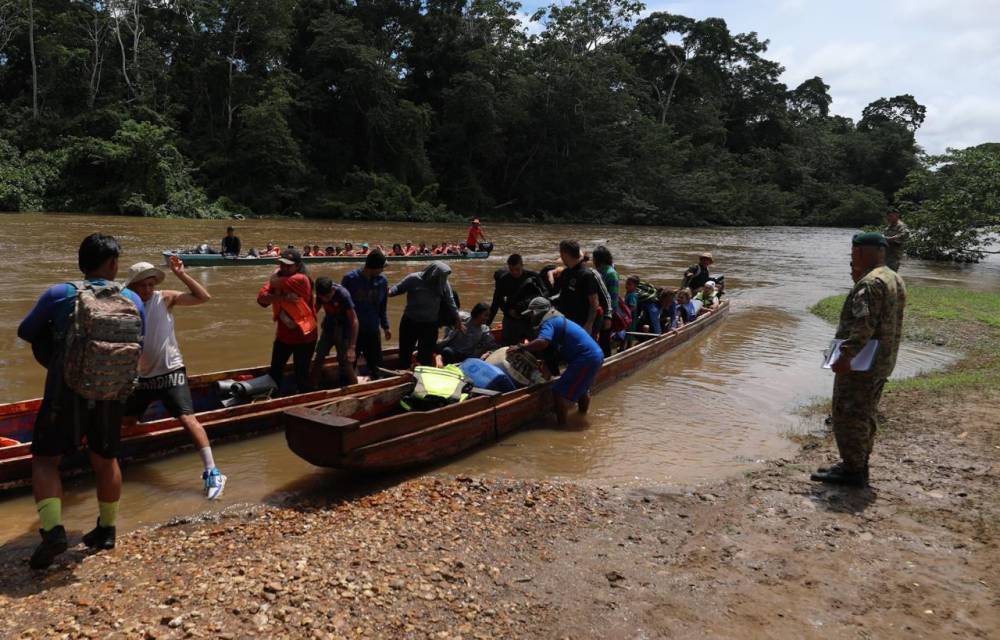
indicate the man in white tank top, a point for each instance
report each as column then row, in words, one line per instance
column 162, row 375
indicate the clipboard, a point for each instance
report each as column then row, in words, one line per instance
column 863, row 361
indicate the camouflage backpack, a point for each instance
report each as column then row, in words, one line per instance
column 103, row 343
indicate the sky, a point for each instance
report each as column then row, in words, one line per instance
column 946, row 53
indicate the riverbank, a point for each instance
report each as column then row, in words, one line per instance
column 769, row 554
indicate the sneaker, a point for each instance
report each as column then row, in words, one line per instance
column 53, row 543
column 101, row 538
column 215, row 482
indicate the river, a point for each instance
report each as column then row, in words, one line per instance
column 713, row 408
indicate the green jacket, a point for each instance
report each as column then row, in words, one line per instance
column 874, row 311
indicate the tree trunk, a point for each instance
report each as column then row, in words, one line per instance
column 34, row 62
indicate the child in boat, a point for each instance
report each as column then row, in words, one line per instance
column 707, row 297
column 687, row 307
column 162, row 375
column 668, row 309
column 477, row 339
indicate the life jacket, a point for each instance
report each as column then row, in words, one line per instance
column 436, row 388
column 300, row 313
column 103, row 343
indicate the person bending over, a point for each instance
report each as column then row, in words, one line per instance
column 477, row 339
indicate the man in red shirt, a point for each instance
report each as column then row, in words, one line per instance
column 289, row 293
column 475, row 235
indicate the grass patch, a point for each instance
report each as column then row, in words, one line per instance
column 967, row 321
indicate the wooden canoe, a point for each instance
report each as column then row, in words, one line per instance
column 417, row 438
column 158, row 434
column 217, row 260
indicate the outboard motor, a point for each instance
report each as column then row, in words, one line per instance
column 720, row 285
column 233, row 392
column 485, row 246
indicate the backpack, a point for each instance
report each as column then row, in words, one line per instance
column 646, row 292
column 436, row 388
column 103, row 343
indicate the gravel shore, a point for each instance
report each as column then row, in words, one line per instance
column 765, row 555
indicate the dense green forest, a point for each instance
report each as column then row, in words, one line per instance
column 388, row 109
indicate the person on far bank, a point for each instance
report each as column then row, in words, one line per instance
column 575, row 346
column 509, row 284
column 289, row 293
column 697, row 274
column 69, row 329
column 369, row 291
column 231, row 243
column 339, row 329
column 896, row 234
column 475, row 236
column 578, row 289
column 429, row 298
column 162, row 374
column 873, row 310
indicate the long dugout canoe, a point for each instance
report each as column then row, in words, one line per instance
column 417, row 438
column 216, row 260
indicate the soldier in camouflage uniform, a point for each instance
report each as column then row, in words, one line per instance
column 896, row 233
column 872, row 311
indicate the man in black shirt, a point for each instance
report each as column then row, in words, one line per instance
column 577, row 287
column 697, row 274
column 231, row 243
column 512, row 290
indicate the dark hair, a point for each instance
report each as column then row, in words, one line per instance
column 95, row 250
column 479, row 308
column 514, row 260
column 375, row 260
column 602, row 256
column 570, row 248
column 228, row 229
column 634, row 279
column 323, row 286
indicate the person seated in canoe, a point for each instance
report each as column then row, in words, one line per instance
column 331, row 251
column 162, row 374
column 668, row 309
column 646, row 312
column 475, row 235
column 306, row 251
column 397, row 250
column 363, row 251
column 231, row 243
column 271, row 251
column 409, row 249
column 708, row 298
column 422, row 250
column 289, row 293
column 348, row 249
column 574, row 345
column 697, row 274
column 687, row 307
column 474, row 342
column 339, row 330
column 317, row 252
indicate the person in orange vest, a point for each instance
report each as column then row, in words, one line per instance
column 289, row 293
column 475, row 235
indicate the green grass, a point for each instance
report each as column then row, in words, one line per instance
column 967, row 321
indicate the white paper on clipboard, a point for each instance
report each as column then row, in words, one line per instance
column 861, row 362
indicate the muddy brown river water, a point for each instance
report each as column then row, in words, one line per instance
column 710, row 409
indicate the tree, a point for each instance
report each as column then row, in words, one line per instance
column 902, row 110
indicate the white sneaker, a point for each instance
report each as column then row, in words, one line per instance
column 215, row 482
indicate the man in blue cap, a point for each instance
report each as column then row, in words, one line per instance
column 872, row 311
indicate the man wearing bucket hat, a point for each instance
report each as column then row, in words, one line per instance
column 475, row 235
column 162, row 375
column 574, row 345
column 697, row 274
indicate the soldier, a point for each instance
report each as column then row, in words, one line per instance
column 872, row 311
column 896, row 233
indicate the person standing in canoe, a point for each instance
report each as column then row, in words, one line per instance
column 369, row 291
column 697, row 274
column 873, row 310
column 578, row 289
column 575, row 346
column 289, row 293
column 162, row 374
column 510, row 285
column 78, row 330
column 231, row 243
column 429, row 298
column 339, row 329
column 475, row 236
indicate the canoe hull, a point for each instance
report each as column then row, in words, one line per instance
column 421, row 438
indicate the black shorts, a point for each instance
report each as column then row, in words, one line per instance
column 171, row 389
column 65, row 419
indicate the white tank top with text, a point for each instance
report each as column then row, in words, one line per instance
column 160, row 353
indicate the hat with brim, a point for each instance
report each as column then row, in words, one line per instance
column 141, row 271
column 290, row 256
column 707, row 256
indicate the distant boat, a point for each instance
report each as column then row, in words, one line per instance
column 218, row 260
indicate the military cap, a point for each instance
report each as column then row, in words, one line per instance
column 869, row 239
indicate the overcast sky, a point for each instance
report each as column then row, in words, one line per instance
column 944, row 52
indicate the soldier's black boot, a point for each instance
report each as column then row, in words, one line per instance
column 100, row 537
column 53, row 543
column 838, row 474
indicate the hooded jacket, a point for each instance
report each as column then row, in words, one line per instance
column 426, row 292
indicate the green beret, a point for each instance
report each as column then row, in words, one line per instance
column 869, row 239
